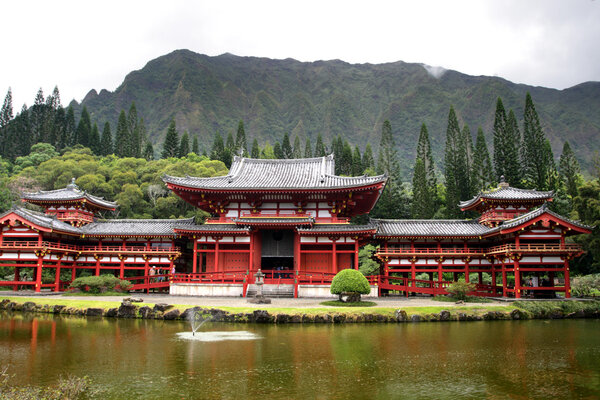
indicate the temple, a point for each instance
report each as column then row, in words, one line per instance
column 290, row 219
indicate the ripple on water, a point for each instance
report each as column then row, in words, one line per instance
column 218, row 336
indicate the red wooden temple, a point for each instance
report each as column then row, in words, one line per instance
column 291, row 219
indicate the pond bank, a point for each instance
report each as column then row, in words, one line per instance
column 388, row 313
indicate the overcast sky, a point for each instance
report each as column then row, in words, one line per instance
column 80, row 45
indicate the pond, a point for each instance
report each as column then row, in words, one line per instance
column 133, row 359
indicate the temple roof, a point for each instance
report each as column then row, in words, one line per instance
column 255, row 174
column 308, row 220
column 232, row 228
column 135, row 227
column 68, row 194
column 536, row 213
column 333, row 228
column 43, row 220
column 504, row 193
column 429, row 227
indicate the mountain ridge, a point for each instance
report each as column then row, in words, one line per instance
column 206, row 94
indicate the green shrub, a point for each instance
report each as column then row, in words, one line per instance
column 350, row 281
column 585, row 286
column 459, row 289
column 98, row 284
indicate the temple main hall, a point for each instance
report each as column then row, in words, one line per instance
column 290, row 219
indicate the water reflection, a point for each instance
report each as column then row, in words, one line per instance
column 130, row 358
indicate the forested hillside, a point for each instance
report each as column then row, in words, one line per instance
column 208, row 94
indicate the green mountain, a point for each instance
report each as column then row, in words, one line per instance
column 207, row 94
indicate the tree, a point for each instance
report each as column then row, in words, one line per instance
column 171, row 144
column 424, row 154
column 587, row 207
column 268, row 153
column 134, row 139
column 84, row 128
column 367, row 159
column 357, row 165
column 184, row 145
column 390, row 204
column 38, row 116
column 422, row 203
column 345, row 159
column 350, row 282
column 278, row 151
column 297, row 149
column 106, row 143
column 122, row 138
column 466, row 162
column 535, row 159
column 148, row 153
column 454, row 156
column 6, row 113
column 320, row 147
column 513, row 165
column 482, row 175
column 195, row 146
column 69, row 129
column 240, row 140
column 569, row 170
column 286, row 147
column 506, row 160
column 218, row 148
column 308, row 148
column 255, row 153
column 94, row 142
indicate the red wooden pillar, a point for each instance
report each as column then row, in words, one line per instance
column 467, row 270
column 97, row 272
column 440, row 261
column 38, row 274
column 567, row 281
column 502, row 265
column 17, row 278
column 146, row 272
column 480, row 277
column 57, row 276
column 356, row 253
column 122, row 267
column 195, row 263
column 517, row 280
column 216, row 255
column 334, row 256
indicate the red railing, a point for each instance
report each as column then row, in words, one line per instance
column 212, row 277
column 430, row 250
column 535, row 248
column 19, row 244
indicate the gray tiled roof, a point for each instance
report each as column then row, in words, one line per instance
column 302, row 173
column 268, row 220
column 536, row 213
column 135, row 227
column 429, row 227
column 43, row 220
column 508, row 193
column 215, row 228
column 337, row 228
column 69, row 193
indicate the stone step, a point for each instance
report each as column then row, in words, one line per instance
column 278, row 291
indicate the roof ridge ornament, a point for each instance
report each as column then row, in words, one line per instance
column 503, row 183
column 72, row 185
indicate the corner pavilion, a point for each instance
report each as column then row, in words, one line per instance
column 291, row 219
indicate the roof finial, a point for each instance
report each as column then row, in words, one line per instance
column 503, row 183
column 72, row 185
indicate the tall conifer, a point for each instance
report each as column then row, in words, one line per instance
column 255, row 153
column 535, row 158
column 277, row 151
column 6, row 113
column 106, row 142
column 390, row 204
column 240, row 140
column 69, row 130
column 513, row 171
column 218, row 147
column 569, row 170
column 367, row 159
column 422, row 202
column 148, row 153
column 307, row 148
column 320, row 147
column 195, row 146
column 171, row 144
column 184, row 144
column 122, row 136
column 95, row 140
column 482, row 173
column 454, row 155
column 286, row 147
column 84, row 128
column 297, row 149
column 357, row 164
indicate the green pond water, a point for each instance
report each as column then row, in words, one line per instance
column 139, row 359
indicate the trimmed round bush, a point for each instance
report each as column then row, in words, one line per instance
column 99, row 284
column 350, row 281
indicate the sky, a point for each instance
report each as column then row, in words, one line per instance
column 84, row 45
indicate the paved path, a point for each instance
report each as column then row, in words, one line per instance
column 396, row 302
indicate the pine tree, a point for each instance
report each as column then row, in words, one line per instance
column 106, row 143
column 424, row 154
column 390, row 203
column 84, row 128
column 21, row 134
column 184, row 145
column 297, row 149
column 500, row 140
column 218, row 148
column 286, row 147
column 229, row 151
column 240, row 140
column 255, row 153
column 482, row 175
column 307, row 148
column 267, row 152
column 58, row 133
column 320, row 147
column 37, row 117
column 535, row 159
column 55, row 99
column 345, row 159
column 142, row 139
column 422, row 202
column 454, row 156
column 122, row 136
column 95, row 140
column 195, row 145
column 148, row 152
column 69, row 129
column 278, row 151
column 466, row 163
column 569, row 170
column 513, row 165
column 171, row 144
column 133, row 144
column 6, row 113
column 357, row 165
column 368, row 160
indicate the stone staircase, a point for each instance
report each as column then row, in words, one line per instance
column 275, row 291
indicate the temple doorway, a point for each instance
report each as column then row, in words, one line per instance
column 277, row 258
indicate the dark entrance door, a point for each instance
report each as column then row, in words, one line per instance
column 277, row 260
